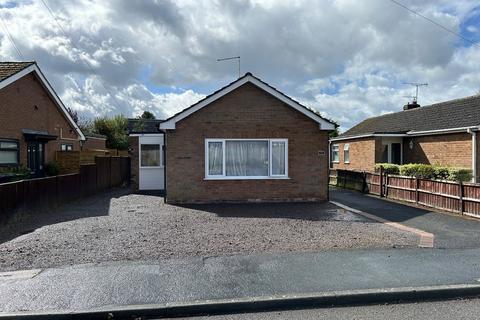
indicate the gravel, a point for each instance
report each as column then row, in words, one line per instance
column 121, row 226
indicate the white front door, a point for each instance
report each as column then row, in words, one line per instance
column 151, row 162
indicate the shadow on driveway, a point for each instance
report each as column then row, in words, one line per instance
column 23, row 222
column 450, row 231
column 311, row 211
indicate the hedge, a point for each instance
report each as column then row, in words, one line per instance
column 426, row 171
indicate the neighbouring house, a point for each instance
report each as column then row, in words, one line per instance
column 34, row 123
column 444, row 133
column 245, row 142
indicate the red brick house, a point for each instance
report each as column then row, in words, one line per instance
column 444, row 133
column 34, row 123
column 245, row 142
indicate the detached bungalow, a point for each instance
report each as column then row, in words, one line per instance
column 245, row 142
column 444, row 133
column 34, row 123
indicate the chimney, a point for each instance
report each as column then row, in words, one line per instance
column 410, row 106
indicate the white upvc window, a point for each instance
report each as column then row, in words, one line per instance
column 246, row 158
column 346, row 153
column 150, row 155
column 335, row 154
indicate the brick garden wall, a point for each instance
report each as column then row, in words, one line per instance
column 246, row 112
column 134, row 156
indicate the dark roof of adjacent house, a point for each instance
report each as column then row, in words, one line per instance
column 8, row 69
column 458, row 113
column 143, row 126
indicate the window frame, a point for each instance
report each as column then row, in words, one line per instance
column 11, row 149
column 66, row 146
column 224, row 176
column 160, row 159
column 337, row 147
column 346, row 148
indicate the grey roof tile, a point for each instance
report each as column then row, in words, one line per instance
column 458, row 113
column 8, row 69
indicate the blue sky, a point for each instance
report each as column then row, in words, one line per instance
column 347, row 59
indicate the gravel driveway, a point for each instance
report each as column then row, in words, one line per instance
column 120, row 226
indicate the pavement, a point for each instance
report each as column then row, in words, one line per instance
column 113, row 285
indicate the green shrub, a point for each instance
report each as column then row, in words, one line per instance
column 423, row 171
column 52, row 168
column 388, row 168
column 10, row 174
column 459, row 174
column 441, row 173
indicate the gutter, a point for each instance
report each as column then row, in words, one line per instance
column 409, row 133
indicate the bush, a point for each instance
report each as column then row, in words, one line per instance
column 441, row 173
column 459, row 174
column 10, row 174
column 423, row 171
column 52, row 168
column 388, row 168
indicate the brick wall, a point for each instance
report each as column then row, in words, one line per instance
column 93, row 143
column 134, row 158
column 363, row 154
column 449, row 149
column 26, row 104
column 246, row 112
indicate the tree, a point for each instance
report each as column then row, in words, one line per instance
column 115, row 129
column 85, row 124
column 147, row 115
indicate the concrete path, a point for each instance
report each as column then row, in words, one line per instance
column 450, row 231
column 171, row 281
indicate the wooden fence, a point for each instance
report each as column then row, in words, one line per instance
column 46, row 193
column 458, row 197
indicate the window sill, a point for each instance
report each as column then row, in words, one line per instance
column 335, row 161
column 246, row 178
column 161, row 167
column 347, row 162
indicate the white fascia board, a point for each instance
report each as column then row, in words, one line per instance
column 441, row 131
column 370, row 135
column 323, row 124
column 34, row 68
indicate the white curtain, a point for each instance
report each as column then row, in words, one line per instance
column 246, row 158
column 278, row 158
column 215, row 158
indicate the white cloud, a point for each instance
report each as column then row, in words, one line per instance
column 347, row 58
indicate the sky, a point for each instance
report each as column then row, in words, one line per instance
column 347, row 59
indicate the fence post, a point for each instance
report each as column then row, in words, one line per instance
column 416, row 190
column 386, row 185
column 461, row 193
column 381, row 181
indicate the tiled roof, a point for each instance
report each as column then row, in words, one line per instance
column 458, row 113
column 8, row 69
column 143, row 125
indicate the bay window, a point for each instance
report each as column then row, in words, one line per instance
column 246, row 158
